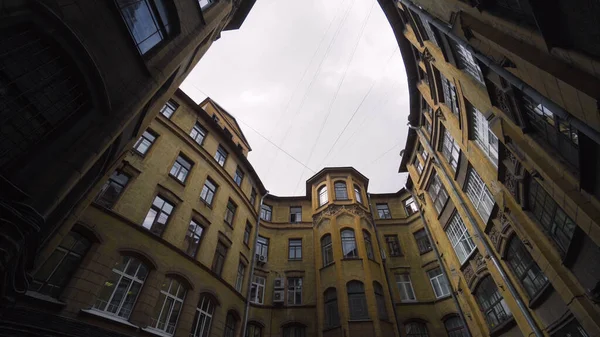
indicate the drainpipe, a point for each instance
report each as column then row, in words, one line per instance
column 383, row 259
column 507, row 75
column 252, row 263
column 442, row 267
column 486, row 246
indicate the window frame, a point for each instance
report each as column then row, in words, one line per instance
column 457, row 233
column 456, row 330
column 331, row 309
column 323, row 196
column 296, row 248
column 257, row 286
column 294, row 287
column 368, row 245
column 219, row 258
column 450, row 150
column 523, row 266
column 383, row 210
column 262, row 246
column 419, row 327
column 230, row 211
column 221, row 155
column 483, row 135
column 207, row 192
column 390, row 240
column 349, row 241
column 440, row 280
column 295, row 214
column 408, row 203
column 158, row 230
column 194, row 234
column 203, row 311
column 175, row 298
column 241, row 273
column 493, row 304
column 480, row 196
column 182, row 164
column 437, row 192
column 382, row 312
column 422, row 240
column 145, row 137
column 358, row 194
column 247, row 233
column 238, row 176
column 168, row 110
column 340, row 190
column 105, row 201
column 198, row 131
column 450, row 95
column 405, row 288
column 266, row 212
column 357, row 301
column 327, row 250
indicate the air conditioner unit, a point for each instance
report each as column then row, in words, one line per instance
column 278, row 284
column 261, row 259
column 278, row 296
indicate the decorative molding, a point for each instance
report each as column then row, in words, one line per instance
column 469, row 275
column 427, row 55
column 334, row 210
column 422, row 198
column 439, row 114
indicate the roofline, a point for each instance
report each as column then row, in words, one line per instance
column 240, row 14
column 325, row 170
column 208, row 99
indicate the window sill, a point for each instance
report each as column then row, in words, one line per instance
column 182, row 183
column 109, row 317
column 425, row 252
column 327, row 266
column 291, row 260
column 228, row 224
column 206, row 203
column 541, row 296
column 156, row 332
column 332, row 328
column 45, row 298
column 363, row 320
column 352, row 259
column 503, row 327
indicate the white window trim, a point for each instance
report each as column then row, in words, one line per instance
column 205, row 327
column 479, row 194
column 258, row 285
column 404, row 284
column 175, row 299
column 439, row 279
column 457, row 232
column 109, row 316
column 294, row 291
column 484, row 137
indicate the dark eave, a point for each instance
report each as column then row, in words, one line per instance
column 244, row 7
column 343, row 169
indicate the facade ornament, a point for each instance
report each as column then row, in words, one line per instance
column 427, row 55
column 439, row 114
column 469, row 274
column 334, row 210
column 494, row 235
column 422, row 198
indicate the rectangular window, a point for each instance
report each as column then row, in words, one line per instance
column 208, row 191
column 407, row 294
column 467, row 62
column 204, row 4
column 112, row 189
column 450, row 96
column 383, row 211
column 158, row 215
column 294, row 293
column 393, row 245
column 459, row 237
column 492, row 303
column 423, row 152
column 147, row 22
column 450, row 150
column 438, row 283
column 266, row 212
column 221, row 155
column 438, row 193
column 295, row 249
column 169, row 108
column 198, row 134
column 262, row 247
column 247, row 233
column 480, row 196
column 484, row 137
column 253, row 197
column 430, row 31
column 422, row 241
column 410, row 206
column 257, row 291
column 295, row 214
column 418, row 165
column 145, row 142
column 192, row 238
column 230, row 212
column 239, row 281
column 239, row 176
column 181, row 168
column 219, row 259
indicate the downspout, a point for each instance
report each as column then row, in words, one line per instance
column 507, row 75
column 486, row 246
column 252, row 263
column 383, row 259
column 442, row 267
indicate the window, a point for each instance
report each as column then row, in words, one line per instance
column 368, row 245
column 205, row 4
column 120, row 291
column 332, row 316
column 422, row 241
column 524, row 267
column 491, row 303
column 55, row 273
column 230, row 212
column 349, row 244
column 253, row 197
column 203, row 318
column 418, row 165
column 410, row 206
column 357, row 194
column 181, row 168
column 221, row 155
column 341, row 193
column 423, row 152
column 239, row 281
column 553, row 219
column 219, row 259
column 253, row 330
column 145, row 142
column 404, row 284
column 428, row 126
column 459, row 237
column 438, row 193
column 571, row 329
column 169, row 305
column 380, row 300
column 455, row 328
column 416, row 329
column 247, row 233
column 257, row 291
column 467, row 62
column 295, row 214
column 192, row 238
column 230, row 325
column 239, row 176
column 149, row 22
column 393, row 245
column 158, row 215
column 450, row 150
column 208, row 191
column 383, row 211
column 266, row 212
column 430, row 31
column 262, row 246
column 450, row 96
column 198, row 134
column 438, row 283
column 294, row 293
column 479, row 195
column 112, row 189
column 484, row 137
column 295, row 249
column 169, row 108
column 294, row 331
column 326, row 250
column 357, row 301
column 323, row 198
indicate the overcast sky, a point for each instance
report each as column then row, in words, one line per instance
column 313, row 84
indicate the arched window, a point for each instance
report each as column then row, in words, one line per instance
column 253, row 330
column 455, row 328
column 341, row 193
column 326, row 250
column 380, row 299
column 332, row 316
column 121, row 290
column 491, row 302
column 231, row 322
column 357, row 300
column 168, row 307
column 524, row 267
column 149, row 21
column 349, row 244
column 416, row 329
column 323, row 198
column 368, row 244
column 357, row 194
column 294, row 330
column 203, row 318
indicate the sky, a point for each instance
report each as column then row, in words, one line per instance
column 312, row 84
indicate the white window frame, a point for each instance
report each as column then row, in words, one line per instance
column 450, row 150
column 484, row 137
column 258, row 287
column 262, row 246
column 207, row 194
column 221, row 155
column 440, row 281
column 201, row 331
column 323, row 195
column 404, row 283
column 169, row 329
column 239, row 281
column 479, row 194
column 294, row 288
column 198, row 133
column 460, row 238
column 468, row 63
